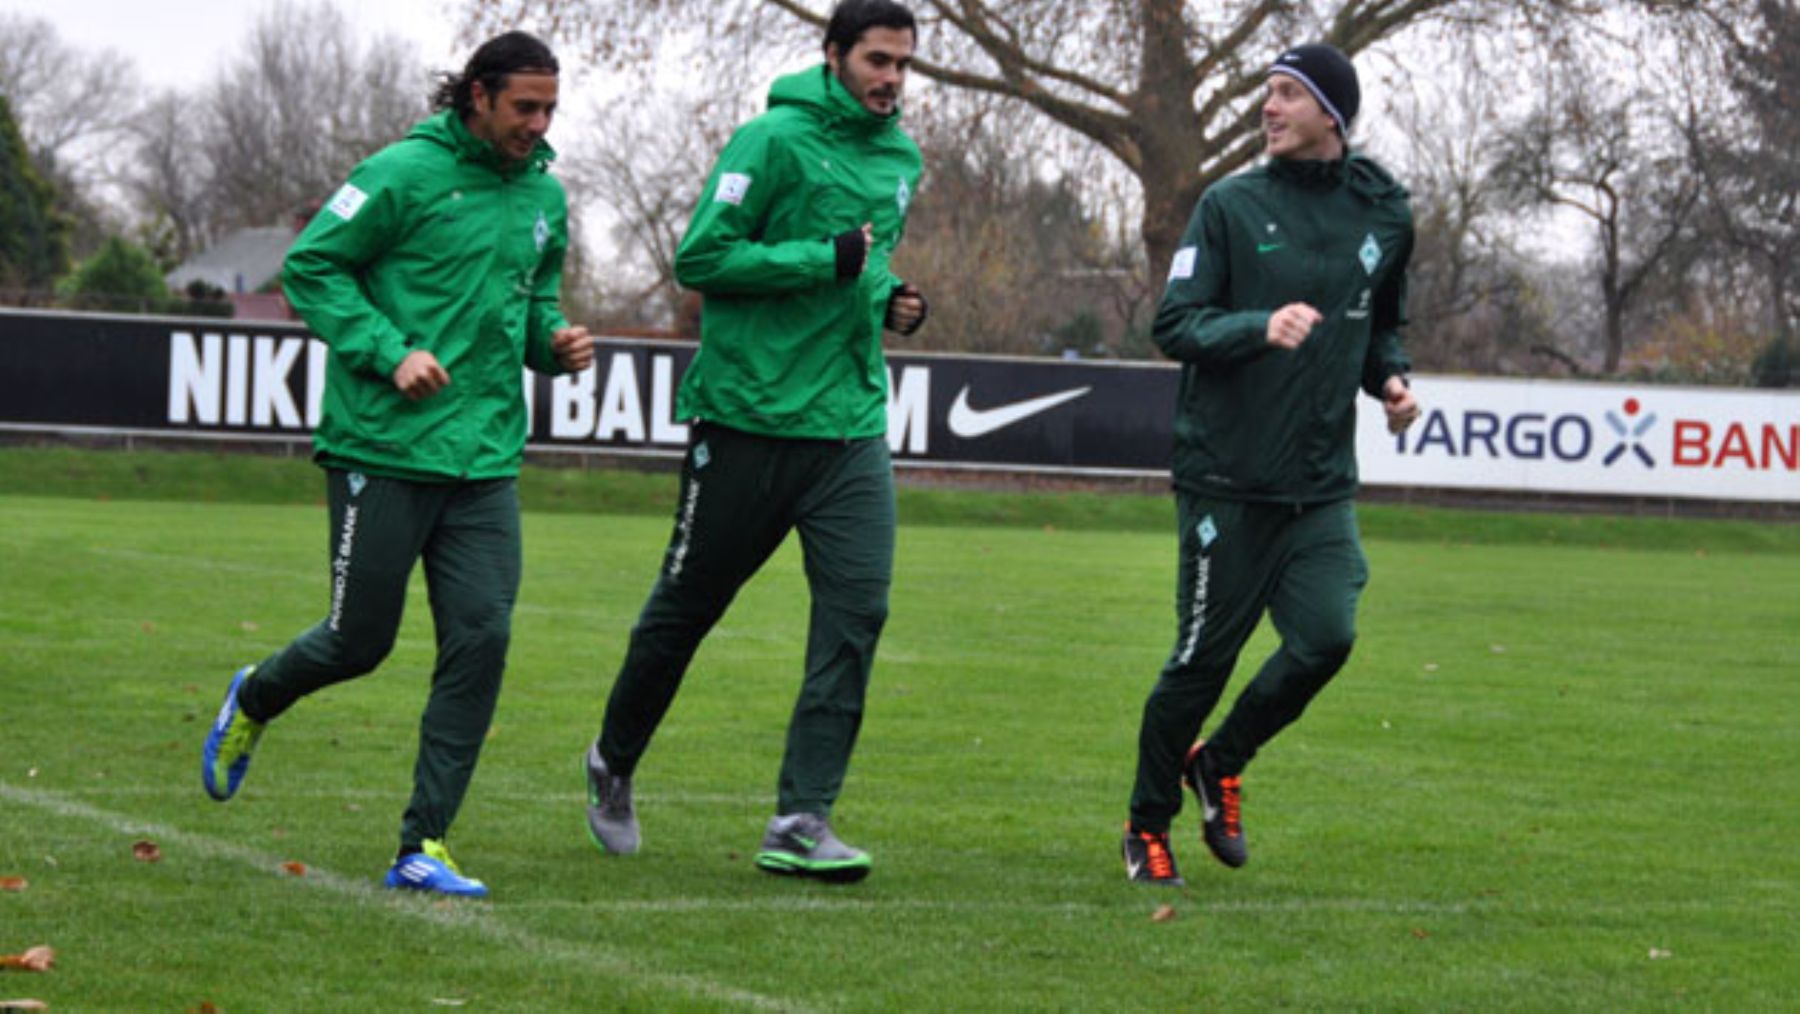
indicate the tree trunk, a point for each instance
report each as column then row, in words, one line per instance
column 1169, row 133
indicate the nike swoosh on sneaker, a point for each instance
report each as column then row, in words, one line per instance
column 969, row 423
column 1131, row 869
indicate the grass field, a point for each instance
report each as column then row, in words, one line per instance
column 1560, row 772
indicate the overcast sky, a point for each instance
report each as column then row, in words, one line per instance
column 181, row 43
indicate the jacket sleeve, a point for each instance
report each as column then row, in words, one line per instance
column 724, row 253
column 323, row 269
column 1195, row 322
column 545, row 317
column 1386, row 357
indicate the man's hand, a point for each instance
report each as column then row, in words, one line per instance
column 1290, row 325
column 1402, row 408
column 420, row 375
column 906, row 310
column 573, row 348
column 852, row 250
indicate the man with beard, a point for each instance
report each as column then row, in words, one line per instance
column 787, row 398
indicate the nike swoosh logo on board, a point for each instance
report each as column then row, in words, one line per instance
column 969, row 423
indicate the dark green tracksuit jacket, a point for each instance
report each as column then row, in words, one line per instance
column 435, row 243
column 1259, row 423
column 1265, row 449
column 789, row 393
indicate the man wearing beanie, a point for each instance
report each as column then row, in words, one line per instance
column 1285, row 296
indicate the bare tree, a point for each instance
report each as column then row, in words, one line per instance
column 62, row 95
column 1750, row 176
column 73, row 106
column 645, row 168
column 1587, row 151
column 303, row 104
column 1165, row 87
column 167, row 178
column 1467, row 288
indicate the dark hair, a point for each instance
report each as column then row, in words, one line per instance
column 851, row 18
column 491, row 64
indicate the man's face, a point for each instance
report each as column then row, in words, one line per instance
column 874, row 71
column 1295, row 125
column 517, row 117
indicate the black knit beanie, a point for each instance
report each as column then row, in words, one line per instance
column 1326, row 73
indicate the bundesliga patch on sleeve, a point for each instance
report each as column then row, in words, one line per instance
column 348, row 202
column 1183, row 265
column 732, row 188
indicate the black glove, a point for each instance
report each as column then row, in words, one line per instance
column 852, row 251
column 904, row 289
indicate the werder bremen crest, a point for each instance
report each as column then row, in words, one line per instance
column 1370, row 254
column 903, row 197
column 540, row 233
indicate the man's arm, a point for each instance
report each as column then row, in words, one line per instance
column 723, row 252
column 1386, row 364
column 552, row 346
column 320, row 274
column 1193, row 322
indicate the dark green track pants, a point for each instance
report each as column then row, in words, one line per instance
column 467, row 533
column 740, row 496
column 1306, row 568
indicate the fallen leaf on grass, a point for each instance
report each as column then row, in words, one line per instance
column 445, row 1001
column 23, row 1005
column 1163, row 913
column 32, row 773
column 1420, row 934
column 206, row 1007
column 149, row 628
column 37, row 959
column 248, row 626
column 13, row 883
column 1658, row 953
column 297, row 869
column 146, row 851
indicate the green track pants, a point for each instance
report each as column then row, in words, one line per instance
column 740, row 496
column 467, row 533
column 1305, row 566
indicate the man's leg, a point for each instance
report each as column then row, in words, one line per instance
column 472, row 564
column 1222, row 583
column 378, row 527
column 1313, row 607
column 729, row 518
column 846, row 524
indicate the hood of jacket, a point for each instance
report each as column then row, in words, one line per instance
column 818, row 92
column 447, row 130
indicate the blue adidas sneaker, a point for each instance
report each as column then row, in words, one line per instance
column 433, row 870
column 229, row 744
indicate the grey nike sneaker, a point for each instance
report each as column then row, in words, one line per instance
column 802, row 845
column 612, row 823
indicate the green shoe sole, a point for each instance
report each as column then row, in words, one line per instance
column 839, row 871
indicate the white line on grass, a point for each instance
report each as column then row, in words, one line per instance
column 479, row 918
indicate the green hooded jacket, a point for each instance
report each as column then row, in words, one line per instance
column 786, row 349
column 435, row 243
column 1256, row 422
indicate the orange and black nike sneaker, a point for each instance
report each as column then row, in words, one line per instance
column 1148, row 859
column 1221, row 807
